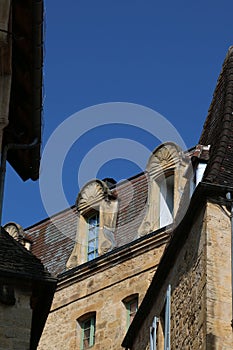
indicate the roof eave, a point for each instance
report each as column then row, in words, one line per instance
column 27, row 119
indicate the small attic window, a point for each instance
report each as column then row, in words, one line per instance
column 166, row 202
column 92, row 236
column 199, row 172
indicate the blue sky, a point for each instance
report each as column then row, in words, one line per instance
column 165, row 55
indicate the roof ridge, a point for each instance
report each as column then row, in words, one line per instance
column 218, row 125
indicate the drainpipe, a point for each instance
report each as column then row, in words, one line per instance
column 229, row 198
column 3, row 166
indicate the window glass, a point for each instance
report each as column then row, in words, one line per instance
column 166, row 200
column 92, row 239
column 131, row 305
column 88, row 333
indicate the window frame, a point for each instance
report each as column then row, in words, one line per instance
column 153, row 334
column 128, row 301
column 96, row 237
column 154, row 341
column 131, row 314
column 163, row 181
column 92, row 329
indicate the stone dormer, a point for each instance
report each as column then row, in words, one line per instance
column 97, row 208
column 166, row 168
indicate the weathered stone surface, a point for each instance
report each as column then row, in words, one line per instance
column 201, row 288
column 102, row 292
column 15, row 323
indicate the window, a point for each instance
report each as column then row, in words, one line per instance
column 131, row 305
column 92, row 236
column 153, row 334
column 166, row 200
column 160, row 329
column 88, row 332
column 132, row 308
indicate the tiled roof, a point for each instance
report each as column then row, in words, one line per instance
column 53, row 239
column 132, row 196
column 54, row 245
column 16, row 261
column 218, row 128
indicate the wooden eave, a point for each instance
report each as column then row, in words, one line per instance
column 26, row 90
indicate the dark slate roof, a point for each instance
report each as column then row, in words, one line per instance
column 18, row 262
column 218, row 128
column 53, row 239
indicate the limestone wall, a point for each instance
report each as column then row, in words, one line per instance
column 201, row 288
column 101, row 291
column 219, row 293
column 188, row 301
column 15, row 322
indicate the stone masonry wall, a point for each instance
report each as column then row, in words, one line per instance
column 188, row 301
column 15, row 322
column 103, row 293
column 219, row 293
column 201, row 302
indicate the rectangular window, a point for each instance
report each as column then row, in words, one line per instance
column 153, row 334
column 166, row 200
column 160, row 329
column 93, row 235
column 132, row 308
column 88, row 333
column 167, row 319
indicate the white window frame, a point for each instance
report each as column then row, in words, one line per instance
column 165, row 196
column 93, row 240
column 167, row 328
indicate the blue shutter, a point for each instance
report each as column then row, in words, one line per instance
column 167, row 319
column 153, row 334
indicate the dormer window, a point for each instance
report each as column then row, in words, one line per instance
column 92, row 236
column 97, row 208
column 165, row 170
column 166, row 207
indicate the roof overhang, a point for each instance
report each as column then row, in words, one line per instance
column 26, row 89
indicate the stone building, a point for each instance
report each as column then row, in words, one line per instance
column 147, row 261
column 189, row 304
column 105, row 250
column 26, row 288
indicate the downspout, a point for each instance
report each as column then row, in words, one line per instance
column 10, row 146
column 229, row 198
